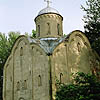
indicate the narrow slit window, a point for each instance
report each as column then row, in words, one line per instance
column 79, row 47
column 25, row 84
column 38, row 30
column 39, row 81
column 18, row 86
column 61, row 75
column 48, row 24
column 58, row 29
column 21, row 51
column 21, row 56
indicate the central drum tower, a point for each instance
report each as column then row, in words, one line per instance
column 49, row 22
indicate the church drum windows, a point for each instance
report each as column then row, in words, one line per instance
column 48, row 27
column 58, row 29
column 38, row 30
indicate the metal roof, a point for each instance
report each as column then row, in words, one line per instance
column 48, row 10
column 48, row 44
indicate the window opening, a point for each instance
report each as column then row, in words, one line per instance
column 39, row 81
column 21, row 56
column 21, row 51
column 61, row 75
column 79, row 47
column 58, row 29
column 18, row 86
column 48, row 29
column 25, row 84
column 38, row 30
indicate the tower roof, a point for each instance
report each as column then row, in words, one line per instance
column 48, row 10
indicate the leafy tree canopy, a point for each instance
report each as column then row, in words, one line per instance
column 84, row 87
column 92, row 23
column 6, row 44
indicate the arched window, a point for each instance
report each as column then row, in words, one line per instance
column 18, row 86
column 48, row 25
column 61, row 75
column 58, row 29
column 79, row 47
column 25, row 84
column 21, row 56
column 39, row 81
column 21, row 51
column 21, row 98
column 38, row 30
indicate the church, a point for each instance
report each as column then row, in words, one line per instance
column 35, row 64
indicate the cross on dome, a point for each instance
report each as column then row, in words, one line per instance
column 48, row 2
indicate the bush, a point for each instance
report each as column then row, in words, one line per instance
column 84, row 87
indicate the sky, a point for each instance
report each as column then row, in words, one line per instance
column 19, row 15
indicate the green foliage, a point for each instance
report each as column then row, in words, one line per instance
column 64, row 35
column 6, row 44
column 92, row 23
column 34, row 33
column 85, row 87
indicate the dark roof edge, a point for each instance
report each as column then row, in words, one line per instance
column 47, row 13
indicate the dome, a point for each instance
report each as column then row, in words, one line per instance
column 48, row 10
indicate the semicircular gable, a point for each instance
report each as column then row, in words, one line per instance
column 17, row 42
column 20, row 38
column 81, row 35
column 22, row 66
column 7, row 62
column 78, row 52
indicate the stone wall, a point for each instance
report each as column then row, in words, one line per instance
column 32, row 74
column 22, row 72
column 71, row 56
column 8, row 80
column 41, row 74
column 26, row 73
column 79, row 53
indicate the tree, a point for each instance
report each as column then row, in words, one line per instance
column 92, row 23
column 6, row 44
column 84, row 87
column 34, row 33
